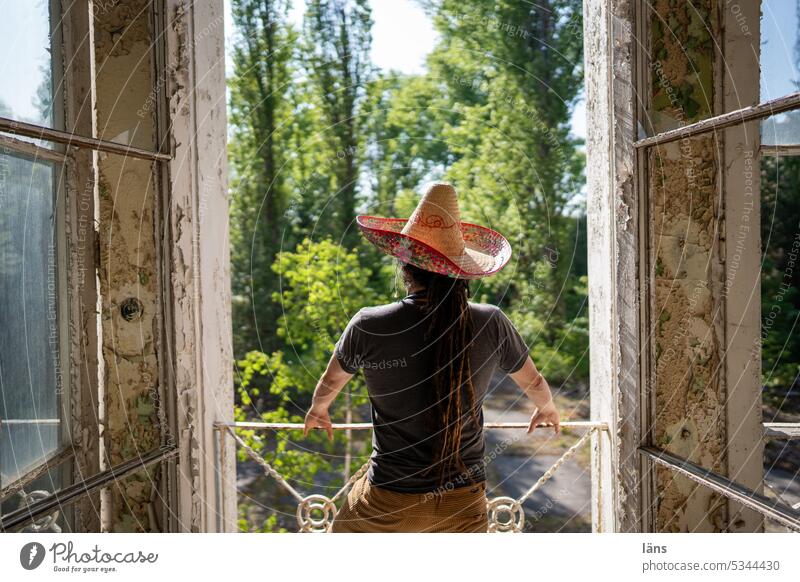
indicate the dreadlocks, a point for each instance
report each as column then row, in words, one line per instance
column 449, row 331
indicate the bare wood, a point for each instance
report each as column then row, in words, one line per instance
column 51, row 462
column 196, row 260
column 80, row 217
column 782, row 430
column 30, row 149
column 78, row 490
column 780, row 150
column 29, row 421
column 739, row 276
column 613, row 227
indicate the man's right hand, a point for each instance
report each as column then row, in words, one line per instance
column 536, row 388
column 545, row 416
column 318, row 417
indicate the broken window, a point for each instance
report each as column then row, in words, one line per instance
column 57, row 455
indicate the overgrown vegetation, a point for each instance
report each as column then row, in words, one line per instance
column 319, row 134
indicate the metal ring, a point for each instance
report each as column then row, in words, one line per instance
column 307, row 522
column 505, row 515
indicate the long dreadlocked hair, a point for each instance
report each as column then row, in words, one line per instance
column 450, row 331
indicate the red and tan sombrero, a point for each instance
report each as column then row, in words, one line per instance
column 435, row 239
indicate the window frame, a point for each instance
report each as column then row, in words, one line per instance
column 36, row 151
column 70, row 151
column 790, row 102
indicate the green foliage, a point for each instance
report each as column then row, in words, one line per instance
column 404, row 125
column 514, row 74
column 332, row 137
column 561, row 352
column 321, row 288
column 507, row 77
column 336, row 53
column 261, row 107
column 252, row 524
column 257, row 371
column 318, row 136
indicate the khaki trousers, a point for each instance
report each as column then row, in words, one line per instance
column 371, row 509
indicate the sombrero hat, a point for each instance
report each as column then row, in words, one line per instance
column 435, row 239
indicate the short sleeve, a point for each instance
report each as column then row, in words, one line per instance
column 349, row 349
column 513, row 349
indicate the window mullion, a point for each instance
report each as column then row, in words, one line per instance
column 72, row 139
column 740, row 116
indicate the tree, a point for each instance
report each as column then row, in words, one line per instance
column 404, row 138
column 337, row 56
column 780, row 278
column 507, row 75
column 491, row 114
column 260, row 114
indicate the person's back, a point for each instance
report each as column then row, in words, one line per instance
column 428, row 360
column 389, row 344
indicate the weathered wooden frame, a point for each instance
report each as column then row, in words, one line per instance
column 610, row 54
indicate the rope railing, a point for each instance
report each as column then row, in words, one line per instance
column 307, row 505
column 506, row 514
column 315, row 512
column 368, row 425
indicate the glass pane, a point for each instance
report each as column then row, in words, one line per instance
column 781, row 130
column 26, row 64
column 780, row 321
column 779, row 69
column 29, row 338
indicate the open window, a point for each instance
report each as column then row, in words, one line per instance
column 66, row 367
column 35, row 403
column 780, row 248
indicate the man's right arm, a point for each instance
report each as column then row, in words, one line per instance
column 531, row 381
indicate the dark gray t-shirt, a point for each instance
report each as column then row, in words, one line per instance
column 387, row 343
